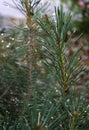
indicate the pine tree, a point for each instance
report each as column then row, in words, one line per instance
column 52, row 101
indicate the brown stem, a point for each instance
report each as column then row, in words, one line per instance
column 63, row 71
column 30, row 47
column 38, row 127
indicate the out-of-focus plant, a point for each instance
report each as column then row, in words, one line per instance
column 14, row 67
column 80, row 10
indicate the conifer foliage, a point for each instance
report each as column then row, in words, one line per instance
column 38, row 77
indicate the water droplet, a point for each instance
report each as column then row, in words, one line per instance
column 68, row 100
column 2, row 41
column 12, row 39
column 46, row 126
column 8, row 45
column 88, row 106
column 56, row 90
column 2, row 34
column 51, row 117
column 50, row 102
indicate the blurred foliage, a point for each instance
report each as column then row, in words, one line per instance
column 83, row 25
column 80, row 10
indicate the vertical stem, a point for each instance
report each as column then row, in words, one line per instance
column 63, row 70
column 30, row 46
column 64, row 73
column 38, row 127
column 72, row 123
column 28, row 10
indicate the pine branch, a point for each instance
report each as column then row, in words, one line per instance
column 56, row 42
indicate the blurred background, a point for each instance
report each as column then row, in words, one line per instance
column 79, row 9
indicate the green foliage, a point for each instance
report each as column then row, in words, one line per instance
column 83, row 25
column 55, row 103
column 65, row 69
column 13, row 77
